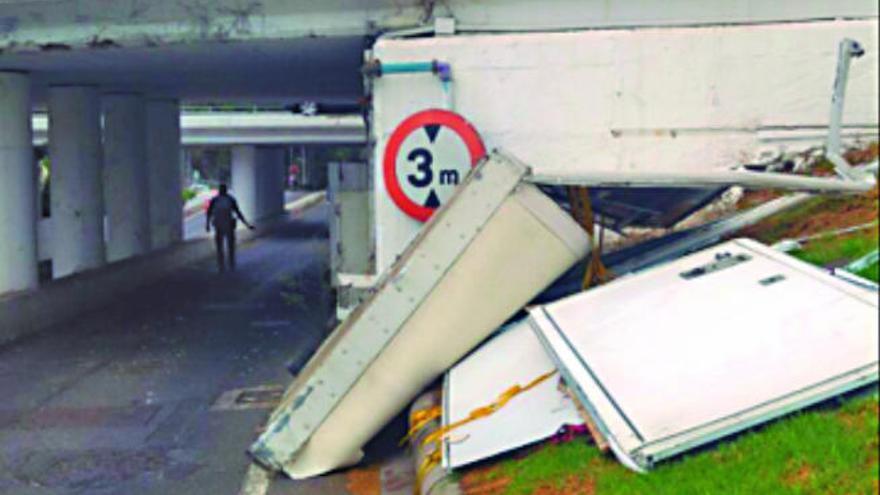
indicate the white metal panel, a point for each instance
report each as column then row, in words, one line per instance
column 670, row 100
column 700, row 351
column 514, row 357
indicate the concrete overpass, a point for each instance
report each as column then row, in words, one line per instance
column 111, row 76
column 257, row 128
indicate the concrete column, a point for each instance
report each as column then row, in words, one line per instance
column 245, row 180
column 163, row 165
column 278, row 182
column 77, row 184
column 126, row 181
column 270, row 190
column 18, row 192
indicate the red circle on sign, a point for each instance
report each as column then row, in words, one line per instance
column 443, row 118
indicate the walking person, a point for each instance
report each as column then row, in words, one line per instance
column 221, row 214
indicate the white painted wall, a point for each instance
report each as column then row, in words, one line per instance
column 656, row 99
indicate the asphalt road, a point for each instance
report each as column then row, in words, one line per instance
column 120, row 401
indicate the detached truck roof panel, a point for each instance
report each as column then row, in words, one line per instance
column 693, row 350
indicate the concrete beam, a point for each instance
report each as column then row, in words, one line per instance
column 18, row 186
column 29, row 25
column 266, row 128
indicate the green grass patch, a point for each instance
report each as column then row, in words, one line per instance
column 188, row 194
column 825, row 450
column 839, row 250
column 871, row 273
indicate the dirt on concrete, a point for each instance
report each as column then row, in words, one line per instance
column 364, row 481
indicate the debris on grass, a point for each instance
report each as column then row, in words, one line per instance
column 817, row 215
column 820, row 450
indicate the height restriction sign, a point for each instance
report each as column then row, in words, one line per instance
column 426, row 157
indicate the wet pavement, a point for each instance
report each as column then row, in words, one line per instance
column 140, row 397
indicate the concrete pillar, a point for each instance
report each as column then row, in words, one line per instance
column 18, row 192
column 271, row 163
column 163, row 165
column 77, row 183
column 278, row 180
column 245, row 180
column 126, row 181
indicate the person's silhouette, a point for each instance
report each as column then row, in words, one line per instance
column 221, row 214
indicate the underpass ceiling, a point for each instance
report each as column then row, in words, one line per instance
column 323, row 69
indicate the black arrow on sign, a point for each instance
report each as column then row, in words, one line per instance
column 432, row 130
column 433, row 201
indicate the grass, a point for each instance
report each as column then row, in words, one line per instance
column 188, row 194
column 870, row 273
column 824, row 450
column 842, row 250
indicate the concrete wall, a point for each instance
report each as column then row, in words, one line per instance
column 667, row 99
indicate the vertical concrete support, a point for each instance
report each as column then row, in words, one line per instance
column 18, row 192
column 163, row 165
column 270, row 162
column 245, row 180
column 77, row 183
column 126, row 181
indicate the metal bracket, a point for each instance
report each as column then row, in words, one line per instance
column 846, row 51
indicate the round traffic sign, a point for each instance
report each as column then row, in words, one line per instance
column 426, row 157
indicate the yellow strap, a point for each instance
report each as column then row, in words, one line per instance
column 482, row 412
column 423, row 416
column 582, row 211
column 428, row 463
column 419, row 419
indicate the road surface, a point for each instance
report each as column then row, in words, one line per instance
column 125, row 400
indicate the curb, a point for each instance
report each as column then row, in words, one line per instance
column 305, row 202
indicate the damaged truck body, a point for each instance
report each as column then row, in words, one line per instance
column 464, row 241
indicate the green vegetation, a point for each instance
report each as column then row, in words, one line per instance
column 871, row 272
column 188, row 194
column 825, row 450
column 841, row 250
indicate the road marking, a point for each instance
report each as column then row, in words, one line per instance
column 256, row 481
column 306, row 201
